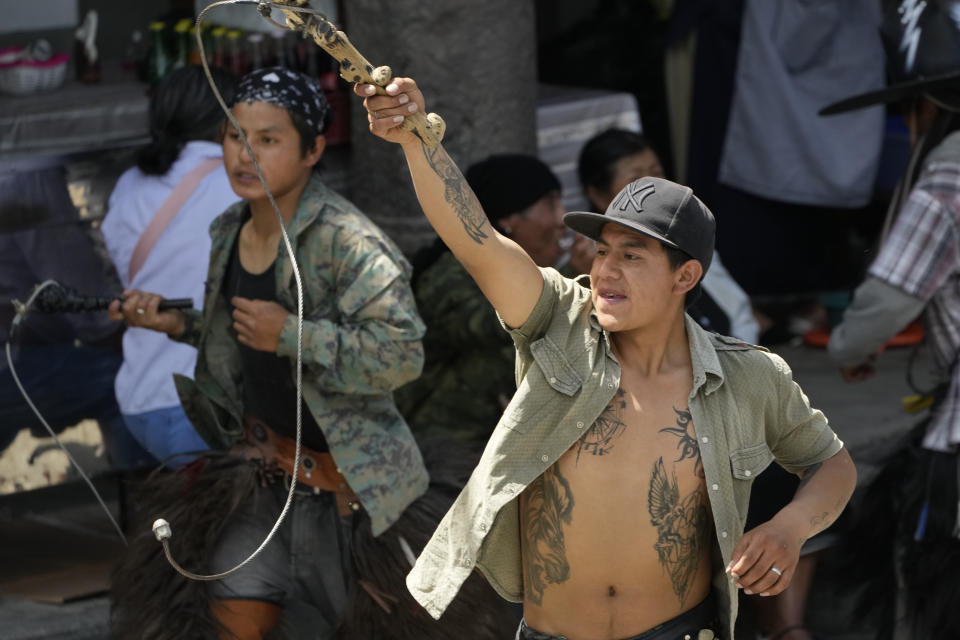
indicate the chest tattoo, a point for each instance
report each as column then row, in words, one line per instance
column 598, row 440
column 687, row 445
column 682, row 527
column 548, row 506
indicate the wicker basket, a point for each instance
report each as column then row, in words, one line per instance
column 20, row 77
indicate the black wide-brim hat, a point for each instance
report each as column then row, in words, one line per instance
column 894, row 93
column 922, row 41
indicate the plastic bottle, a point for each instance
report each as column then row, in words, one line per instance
column 135, row 55
column 205, row 35
column 159, row 62
column 86, row 53
column 280, row 56
column 255, row 48
column 220, row 57
column 238, row 63
column 182, row 29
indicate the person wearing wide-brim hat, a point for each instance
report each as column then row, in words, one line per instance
column 910, row 512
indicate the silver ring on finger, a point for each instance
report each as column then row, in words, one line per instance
column 140, row 311
column 776, row 571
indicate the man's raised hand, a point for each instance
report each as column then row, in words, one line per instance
column 386, row 113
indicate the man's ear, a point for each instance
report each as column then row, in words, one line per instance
column 506, row 224
column 687, row 276
column 313, row 155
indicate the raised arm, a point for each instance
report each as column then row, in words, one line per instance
column 508, row 277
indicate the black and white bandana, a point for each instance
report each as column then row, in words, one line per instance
column 294, row 91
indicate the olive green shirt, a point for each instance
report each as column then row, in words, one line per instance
column 746, row 407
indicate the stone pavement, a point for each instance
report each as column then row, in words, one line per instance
column 867, row 416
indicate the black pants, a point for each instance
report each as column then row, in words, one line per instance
column 688, row 623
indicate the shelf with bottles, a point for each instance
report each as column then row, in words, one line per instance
column 172, row 45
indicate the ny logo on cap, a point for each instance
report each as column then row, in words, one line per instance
column 634, row 194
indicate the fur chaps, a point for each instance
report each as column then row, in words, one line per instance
column 151, row 601
column 384, row 608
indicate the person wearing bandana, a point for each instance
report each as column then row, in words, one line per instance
column 361, row 468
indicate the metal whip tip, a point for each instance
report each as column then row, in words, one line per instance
column 162, row 530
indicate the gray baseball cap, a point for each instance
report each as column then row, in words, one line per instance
column 663, row 210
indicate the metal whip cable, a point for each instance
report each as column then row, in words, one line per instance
column 161, row 529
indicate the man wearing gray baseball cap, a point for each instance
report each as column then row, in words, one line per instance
column 611, row 498
column 674, row 216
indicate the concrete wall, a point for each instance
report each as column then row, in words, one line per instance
column 476, row 64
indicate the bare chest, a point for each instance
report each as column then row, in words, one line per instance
column 624, row 511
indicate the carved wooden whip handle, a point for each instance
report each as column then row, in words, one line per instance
column 355, row 68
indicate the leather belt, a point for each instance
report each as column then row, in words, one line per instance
column 317, row 470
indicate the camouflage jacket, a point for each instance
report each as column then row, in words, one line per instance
column 361, row 340
column 468, row 376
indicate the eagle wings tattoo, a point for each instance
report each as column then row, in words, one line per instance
column 681, row 524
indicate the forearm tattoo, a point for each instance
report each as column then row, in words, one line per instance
column 548, row 506
column 683, row 525
column 688, row 440
column 457, row 193
column 598, row 440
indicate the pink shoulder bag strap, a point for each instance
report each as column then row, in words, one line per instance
column 168, row 211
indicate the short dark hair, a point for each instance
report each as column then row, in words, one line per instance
column 601, row 153
column 308, row 135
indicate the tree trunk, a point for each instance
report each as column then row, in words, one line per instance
column 476, row 64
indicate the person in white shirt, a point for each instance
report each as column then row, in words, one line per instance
column 186, row 125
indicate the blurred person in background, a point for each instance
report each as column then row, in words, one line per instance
column 905, row 541
column 156, row 230
column 66, row 361
column 468, row 372
column 613, row 159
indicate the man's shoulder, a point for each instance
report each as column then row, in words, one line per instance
column 563, row 302
column 577, row 289
column 342, row 223
column 729, row 343
column 739, row 357
column 940, row 178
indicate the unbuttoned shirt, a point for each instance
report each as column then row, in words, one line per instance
column 746, row 407
column 361, row 340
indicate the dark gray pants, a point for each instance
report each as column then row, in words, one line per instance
column 686, row 626
column 306, row 567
